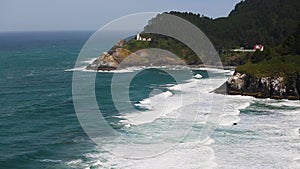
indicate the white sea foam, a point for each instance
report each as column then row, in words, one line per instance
column 98, row 163
column 289, row 112
column 93, row 162
column 198, row 76
column 161, row 110
column 83, row 69
column 208, row 142
column 233, row 105
column 286, row 107
column 228, row 72
column 175, row 88
column 297, row 159
column 165, row 104
column 213, row 70
column 236, row 103
column 181, row 112
column 144, row 104
column 127, row 126
column 89, row 61
column 157, row 107
column 50, row 161
column 147, row 104
column 184, row 155
column 228, row 120
column 188, row 101
column 74, row 163
column 296, row 133
column 124, row 70
column 280, row 103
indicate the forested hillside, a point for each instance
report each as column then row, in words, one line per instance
column 267, row 22
column 272, row 23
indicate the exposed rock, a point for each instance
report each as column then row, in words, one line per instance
column 110, row 60
column 120, row 57
column 104, row 62
column 278, row 87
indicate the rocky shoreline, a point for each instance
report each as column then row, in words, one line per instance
column 278, row 87
column 119, row 57
column 110, row 60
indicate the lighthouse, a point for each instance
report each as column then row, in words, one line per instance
column 138, row 36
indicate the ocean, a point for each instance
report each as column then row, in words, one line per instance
column 41, row 128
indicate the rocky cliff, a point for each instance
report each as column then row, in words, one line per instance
column 278, row 87
column 120, row 57
column 110, row 60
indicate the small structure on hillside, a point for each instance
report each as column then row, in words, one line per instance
column 259, row 47
column 140, row 38
column 255, row 48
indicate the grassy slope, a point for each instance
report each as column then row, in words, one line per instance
column 274, row 67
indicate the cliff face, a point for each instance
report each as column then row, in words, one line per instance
column 120, row 57
column 265, row 87
column 110, row 60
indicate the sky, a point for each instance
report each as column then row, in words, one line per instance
column 30, row 15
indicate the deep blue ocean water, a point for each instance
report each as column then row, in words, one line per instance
column 39, row 127
column 37, row 115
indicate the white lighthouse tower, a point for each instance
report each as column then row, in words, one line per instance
column 138, row 36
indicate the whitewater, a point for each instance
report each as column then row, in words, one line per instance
column 248, row 128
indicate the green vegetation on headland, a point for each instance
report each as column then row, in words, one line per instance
column 282, row 60
column 274, row 72
column 268, row 22
column 165, row 43
column 162, row 51
column 273, row 23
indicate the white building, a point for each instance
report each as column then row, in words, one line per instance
column 140, row 38
column 255, row 48
column 258, row 47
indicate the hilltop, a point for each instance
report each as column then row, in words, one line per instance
column 273, row 23
column 268, row 22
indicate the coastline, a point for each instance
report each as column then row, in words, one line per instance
column 276, row 87
column 237, row 84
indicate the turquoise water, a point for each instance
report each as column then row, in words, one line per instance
column 39, row 127
column 37, row 116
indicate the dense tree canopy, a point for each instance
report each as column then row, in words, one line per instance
column 273, row 23
column 251, row 22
